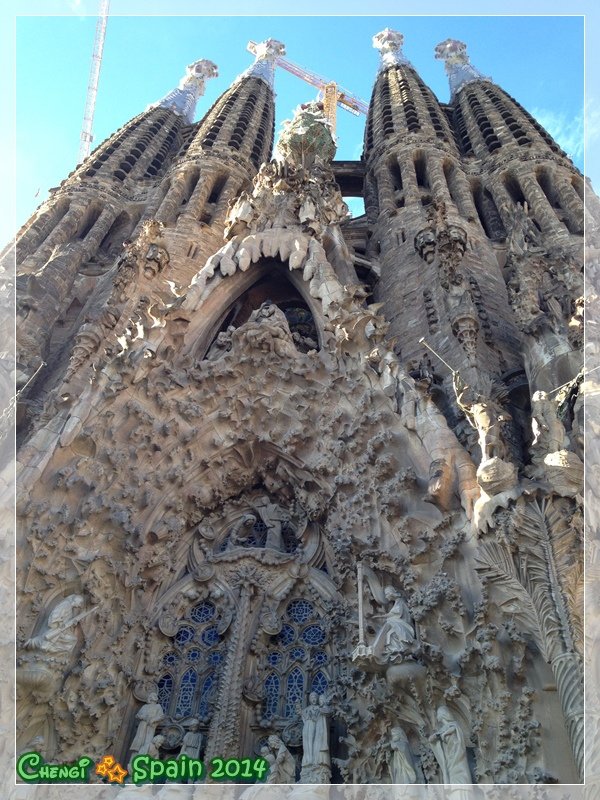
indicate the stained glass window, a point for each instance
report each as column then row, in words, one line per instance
column 186, row 693
column 319, row 683
column 203, row 612
column 314, row 634
column 184, row 635
column 194, row 655
column 170, row 659
column 165, row 688
column 294, row 693
column 215, row 658
column 206, row 696
column 210, row 636
column 300, row 611
column 271, row 695
column 293, row 668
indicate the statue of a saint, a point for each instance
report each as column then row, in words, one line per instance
column 316, row 762
column 548, row 431
column 282, row 764
column 402, row 765
column 149, row 715
column 449, row 748
column 397, row 632
column 192, row 740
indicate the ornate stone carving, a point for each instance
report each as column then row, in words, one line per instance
column 316, row 760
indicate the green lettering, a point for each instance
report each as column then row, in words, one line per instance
column 157, row 769
column 172, row 770
column 139, row 770
column 191, row 767
column 85, row 762
column 74, row 773
column 26, row 763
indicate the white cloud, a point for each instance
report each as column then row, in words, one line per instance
column 567, row 131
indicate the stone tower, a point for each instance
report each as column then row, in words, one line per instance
column 297, row 485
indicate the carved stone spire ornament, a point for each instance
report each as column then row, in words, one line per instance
column 389, row 43
column 264, row 66
column 182, row 100
column 459, row 69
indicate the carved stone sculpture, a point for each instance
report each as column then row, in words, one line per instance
column 401, row 764
column 148, row 717
column 316, row 761
column 192, row 740
column 397, row 633
column 282, row 764
column 448, row 745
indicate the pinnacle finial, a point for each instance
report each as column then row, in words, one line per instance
column 459, row 69
column 389, row 43
column 266, row 53
column 182, row 101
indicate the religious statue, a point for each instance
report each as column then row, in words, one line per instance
column 149, row 715
column 316, row 762
column 155, row 745
column 273, row 516
column 241, row 531
column 397, row 633
column 221, row 345
column 192, row 740
column 449, row 748
column 282, row 764
column 59, row 638
column 402, row 766
column 484, row 414
column 548, row 431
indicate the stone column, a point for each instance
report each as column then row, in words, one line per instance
column 569, row 200
column 39, row 230
column 195, row 204
column 172, row 201
column 224, row 732
column 98, row 231
column 541, row 208
column 409, row 179
column 385, row 187
column 437, row 179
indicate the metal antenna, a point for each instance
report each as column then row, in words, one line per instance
column 90, row 102
column 437, row 355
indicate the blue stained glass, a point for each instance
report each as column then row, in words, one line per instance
column 271, row 695
column 184, row 635
column 300, row 611
column 295, row 692
column 170, row 659
column 319, row 683
column 215, row 658
column 314, row 634
column 203, row 612
column 208, row 688
column 194, row 655
column 186, row 693
column 274, row 659
column 165, row 687
column 319, row 658
column 210, row 636
column 286, row 635
column 297, row 653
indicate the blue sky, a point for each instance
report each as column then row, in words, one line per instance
column 537, row 59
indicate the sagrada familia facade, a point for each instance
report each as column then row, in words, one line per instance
column 296, row 484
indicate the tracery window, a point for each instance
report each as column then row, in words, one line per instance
column 192, row 664
column 297, row 662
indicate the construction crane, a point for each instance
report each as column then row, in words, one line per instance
column 86, row 137
column 333, row 95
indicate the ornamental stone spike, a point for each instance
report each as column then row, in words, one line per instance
column 459, row 69
column 182, row 101
column 389, row 43
column 266, row 53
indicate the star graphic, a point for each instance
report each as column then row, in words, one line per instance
column 117, row 774
column 103, row 766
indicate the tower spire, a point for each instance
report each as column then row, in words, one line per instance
column 389, row 43
column 459, row 69
column 264, row 66
column 182, row 100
